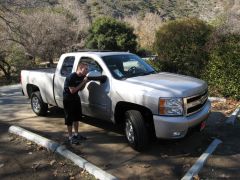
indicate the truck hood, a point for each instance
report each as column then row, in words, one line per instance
column 169, row 84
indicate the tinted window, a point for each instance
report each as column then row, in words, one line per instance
column 67, row 66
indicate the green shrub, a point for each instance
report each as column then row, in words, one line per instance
column 109, row 34
column 155, row 64
column 223, row 70
column 180, row 45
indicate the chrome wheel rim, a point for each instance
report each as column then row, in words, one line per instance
column 35, row 104
column 129, row 131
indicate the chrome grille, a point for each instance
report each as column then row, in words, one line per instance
column 195, row 103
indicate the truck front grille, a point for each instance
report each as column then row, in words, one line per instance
column 195, row 103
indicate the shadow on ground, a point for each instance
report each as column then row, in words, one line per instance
column 107, row 147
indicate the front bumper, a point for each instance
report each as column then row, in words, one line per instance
column 168, row 127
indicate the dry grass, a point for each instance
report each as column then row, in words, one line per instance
column 227, row 107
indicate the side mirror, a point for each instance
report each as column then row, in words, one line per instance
column 96, row 76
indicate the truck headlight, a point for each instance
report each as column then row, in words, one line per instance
column 171, row 106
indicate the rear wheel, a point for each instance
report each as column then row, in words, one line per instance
column 136, row 130
column 38, row 106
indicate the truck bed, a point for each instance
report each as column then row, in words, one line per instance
column 45, row 70
column 41, row 78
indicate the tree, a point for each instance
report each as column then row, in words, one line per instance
column 43, row 34
column 35, row 33
column 109, row 34
column 81, row 20
column 5, row 67
column 181, row 46
column 145, row 28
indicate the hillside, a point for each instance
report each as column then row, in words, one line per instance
column 166, row 9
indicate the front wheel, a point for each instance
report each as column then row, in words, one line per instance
column 38, row 106
column 136, row 131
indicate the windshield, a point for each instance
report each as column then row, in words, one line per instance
column 127, row 65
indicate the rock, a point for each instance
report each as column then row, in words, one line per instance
column 39, row 148
column 129, row 166
column 164, row 156
column 83, row 171
column 146, row 166
column 35, row 165
column 107, row 165
column 52, row 162
column 29, row 143
column 71, row 176
column 62, row 163
column 196, row 177
column 55, row 173
column 186, row 166
column 11, row 139
column 1, row 165
column 224, row 176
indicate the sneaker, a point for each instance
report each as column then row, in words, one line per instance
column 74, row 140
column 80, row 137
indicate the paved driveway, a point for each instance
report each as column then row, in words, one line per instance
column 107, row 148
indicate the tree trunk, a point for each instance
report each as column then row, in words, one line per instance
column 5, row 67
column 51, row 61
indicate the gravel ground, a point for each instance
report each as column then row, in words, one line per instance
column 22, row 159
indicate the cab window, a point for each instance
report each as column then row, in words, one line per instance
column 92, row 64
column 67, row 66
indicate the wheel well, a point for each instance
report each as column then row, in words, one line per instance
column 122, row 107
column 31, row 88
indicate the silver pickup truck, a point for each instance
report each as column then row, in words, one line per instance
column 125, row 90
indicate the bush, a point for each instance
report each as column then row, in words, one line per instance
column 180, row 45
column 109, row 34
column 142, row 52
column 223, row 70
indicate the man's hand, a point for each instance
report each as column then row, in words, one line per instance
column 86, row 80
column 80, row 86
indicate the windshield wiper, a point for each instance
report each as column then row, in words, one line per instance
column 151, row 72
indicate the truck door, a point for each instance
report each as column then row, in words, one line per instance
column 60, row 76
column 94, row 97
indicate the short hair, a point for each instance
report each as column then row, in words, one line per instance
column 82, row 64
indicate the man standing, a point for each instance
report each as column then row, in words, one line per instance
column 71, row 101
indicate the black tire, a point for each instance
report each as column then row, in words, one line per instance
column 136, row 130
column 38, row 106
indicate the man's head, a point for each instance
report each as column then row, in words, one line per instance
column 82, row 69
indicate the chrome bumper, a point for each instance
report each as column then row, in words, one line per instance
column 168, row 127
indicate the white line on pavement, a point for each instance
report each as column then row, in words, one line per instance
column 233, row 117
column 194, row 170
